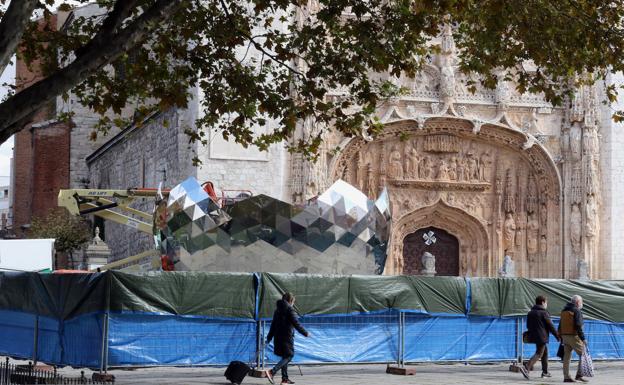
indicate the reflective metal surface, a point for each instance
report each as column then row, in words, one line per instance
column 341, row 232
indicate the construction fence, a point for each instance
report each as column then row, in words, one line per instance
column 116, row 319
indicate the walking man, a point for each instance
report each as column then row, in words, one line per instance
column 282, row 329
column 538, row 326
column 571, row 332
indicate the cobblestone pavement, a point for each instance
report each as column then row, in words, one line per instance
column 607, row 373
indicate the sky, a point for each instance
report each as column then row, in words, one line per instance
column 6, row 149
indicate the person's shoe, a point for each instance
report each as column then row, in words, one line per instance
column 269, row 376
column 546, row 375
column 524, row 371
column 287, row 381
column 568, row 380
column 581, row 379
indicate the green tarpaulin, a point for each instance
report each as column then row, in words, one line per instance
column 603, row 300
column 59, row 296
column 233, row 295
column 185, row 293
column 63, row 296
column 319, row 295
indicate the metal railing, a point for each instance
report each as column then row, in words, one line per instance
column 15, row 374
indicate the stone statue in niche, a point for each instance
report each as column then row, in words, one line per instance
column 509, row 233
column 395, row 166
column 590, row 140
column 591, row 230
column 575, row 229
column 447, row 78
column 485, row 167
column 544, row 246
column 590, row 213
column 412, row 162
column 543, row 211
column 428, row 262
column 443, row 172
column 371, row 183
column 424, row 169
column 460, row 169
column 473, row 168
column 453, row 169
column 532, row 235
column 575, row 142
column 583, row 269
column 508, row 270
column 577, row 108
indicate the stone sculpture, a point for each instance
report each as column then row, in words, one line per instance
column 428, row 262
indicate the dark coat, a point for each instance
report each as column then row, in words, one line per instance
column 578, row 319
column 282, row 329
column 539, row 324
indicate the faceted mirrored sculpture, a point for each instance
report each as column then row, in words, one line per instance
column 341, row 232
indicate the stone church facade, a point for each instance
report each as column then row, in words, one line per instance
column 504, row 174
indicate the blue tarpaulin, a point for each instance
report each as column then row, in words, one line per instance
column 161, row 327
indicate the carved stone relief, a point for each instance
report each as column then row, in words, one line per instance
column 483, row 180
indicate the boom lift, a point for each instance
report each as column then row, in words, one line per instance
column 114, row 205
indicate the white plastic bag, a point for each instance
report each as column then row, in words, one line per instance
column 587, row 366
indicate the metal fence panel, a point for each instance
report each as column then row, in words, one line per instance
column 143, row 340
column 439, row 338
column 345, row 339
column 17, row 334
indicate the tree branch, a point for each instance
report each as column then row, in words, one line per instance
column 12, row 28
column 28, row 101
column 112, row 22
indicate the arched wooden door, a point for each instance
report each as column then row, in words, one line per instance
column 443, row 245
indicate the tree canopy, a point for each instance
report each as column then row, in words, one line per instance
column 262, row 61
column 70, row 232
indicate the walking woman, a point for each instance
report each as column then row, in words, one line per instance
column 282, row 330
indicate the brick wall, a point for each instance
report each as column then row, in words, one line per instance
column 41, row 156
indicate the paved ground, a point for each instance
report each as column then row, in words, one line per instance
column 607, row 373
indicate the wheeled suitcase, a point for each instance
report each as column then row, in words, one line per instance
column 236, row 372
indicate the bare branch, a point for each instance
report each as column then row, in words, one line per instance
column 12, row 27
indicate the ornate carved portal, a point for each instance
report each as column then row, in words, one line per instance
column 444, row 246
column 486, row 188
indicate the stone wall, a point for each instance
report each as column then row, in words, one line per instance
column 142, row 156
column 612, row 143
column 259, row 176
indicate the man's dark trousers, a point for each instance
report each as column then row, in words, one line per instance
column 541, row 352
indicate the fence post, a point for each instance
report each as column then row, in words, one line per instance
column 519, row 342
column 258, row 342
column 104, row 352
column 400, row 340
column 36, row 340
column 262, row 343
